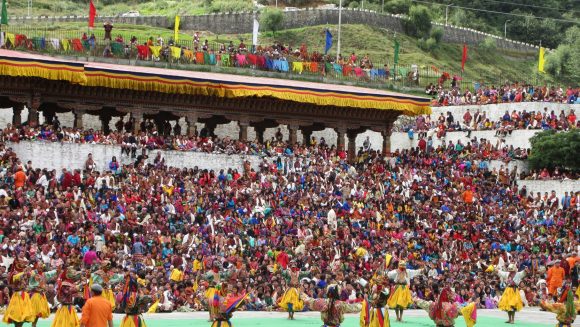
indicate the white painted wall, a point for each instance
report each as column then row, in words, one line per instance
column 548, row 186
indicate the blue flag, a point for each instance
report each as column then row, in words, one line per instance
column 328, row 41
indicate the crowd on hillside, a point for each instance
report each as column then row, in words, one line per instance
column 439, row 209
column 480, row 121
column 507, row 93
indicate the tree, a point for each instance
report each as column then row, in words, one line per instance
column 271, row 19
column 564, row 62
column 419, row 22
column 551, row 150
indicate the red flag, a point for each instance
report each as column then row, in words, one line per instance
column 464, row 58
column 92, row 14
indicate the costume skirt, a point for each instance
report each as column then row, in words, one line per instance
column 40, row 307
column 469, row 313
column 19, row 309
column 108, row 294
column 511, row 300
column 133, row 321
column 66, row 316
column 379, row 317
column 221, row 323
column 291, row 298
column 400, row 298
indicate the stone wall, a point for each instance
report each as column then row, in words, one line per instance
column 496, row 111
column 242, row 22
column 69, row 155
column 548, row 186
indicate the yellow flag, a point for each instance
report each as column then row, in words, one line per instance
column 388, row 259
column 541, row 60
column 176, row 33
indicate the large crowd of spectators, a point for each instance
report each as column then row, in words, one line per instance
column 507, row 93
column 480, row 121
column 441, row 208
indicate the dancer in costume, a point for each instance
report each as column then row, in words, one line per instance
column 212, row 294
column 378, row 311
column 331, row 309
column 106, row 278
column 565, row 312
column 19, row 310
column 37, row 290
column 511, row 301
column 134, row 302
column 444, row 311
column 224, row 307
column 214, row 291
column 67, row 291
column 400, row 298
column 291, row 301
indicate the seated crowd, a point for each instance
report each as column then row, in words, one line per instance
column 443, row 210
column 479, row 121
column 508, row 93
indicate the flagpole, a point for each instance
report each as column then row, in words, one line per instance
column 339, row 26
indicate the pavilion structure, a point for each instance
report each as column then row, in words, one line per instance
column 51, row 86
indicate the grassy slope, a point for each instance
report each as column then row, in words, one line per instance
column 482, row 66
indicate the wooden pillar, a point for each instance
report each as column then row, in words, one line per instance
column 48, row 116
column 306, row 136
column 78, row 119
column 243, row 124
column 137, row 119
column 105, row 120
column 32, row 116
column 340, row 138
column 386, row 141
column 352, row 145
column 17, row 114
column 260, row 133
column 190, row 120
column 293, row 134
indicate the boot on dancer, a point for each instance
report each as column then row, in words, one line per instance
column 444, row 310
column 400, row 298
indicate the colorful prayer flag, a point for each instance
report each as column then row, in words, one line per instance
column 541, row 60
column 397, row 47
column 328, row 41
column 4, row 19
column 92, row 14
column 176, row 32
column 464, row 57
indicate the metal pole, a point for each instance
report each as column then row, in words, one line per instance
column 339, row 26
column 382, row 6
column 505, row 29
column 446, row 12
column 362, row 4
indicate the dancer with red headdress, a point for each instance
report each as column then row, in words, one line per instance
column 444, row 311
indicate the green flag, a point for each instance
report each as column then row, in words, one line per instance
column 4, row 19
column 396, row 59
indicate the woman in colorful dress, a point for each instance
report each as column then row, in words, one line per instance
column 37, row 290
column 511, row 300
column 67, row 291
column 331, row 309
column 291, row 301
column 444, row 311
column 19, row 310
column 565, row 312
column 224, row 307
column 401, row 298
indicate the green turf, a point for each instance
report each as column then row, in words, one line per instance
column 314, row 322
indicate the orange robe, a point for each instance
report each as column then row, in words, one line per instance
column 555, row 279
